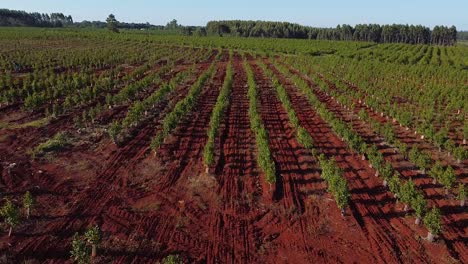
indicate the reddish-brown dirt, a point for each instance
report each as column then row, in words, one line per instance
column 372, row 206
column 99, row 182
column 455, row 232
column 150, row 206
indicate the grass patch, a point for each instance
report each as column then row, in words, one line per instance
column 56, row 143
column 35, row 123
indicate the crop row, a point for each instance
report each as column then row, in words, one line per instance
column 264, row 157
column 331, row 173
column 406, row 192
column 183, row 106
column 222, row 102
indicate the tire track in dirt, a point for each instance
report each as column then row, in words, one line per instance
column 368, row 197
column 285, row 151
column 186, row 146
column 109, row 187
column 454, row 235
column 188, row 140
column 233, row 235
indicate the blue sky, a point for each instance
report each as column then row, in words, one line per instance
column 325, row 13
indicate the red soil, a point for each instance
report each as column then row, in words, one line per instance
column 372, row 206
column 455, row 232
column 149, row 207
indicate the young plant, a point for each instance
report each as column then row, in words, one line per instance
column 448, row 179
column 11, row 215
column 419, row 205
column 93, row 237
column 436, row 172
column 79, row 252
column 432, row 223
column 407, row 193
column 28, row 202
column 461, row 194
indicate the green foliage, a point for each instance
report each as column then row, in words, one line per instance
column 182, row 107
column 302, row 135
column 394, row 184
column 441, row 137
column 219, row 110
column 460, row 153
column 112, row 23
column 375, row 157
column 114, row 130
column 436, row 171
column 407, row 192
column 432, row 221
column 448, row 178
column 337, row 185
column 264, row 158
column 461, row 192
column 93, row 235
column 28, row 201
column 387, row 171
column 56, row 143
column 304, row 138
column 421, row 159
column 10, row 213
column 79, row 252
column 172, row 259
column 419, row 204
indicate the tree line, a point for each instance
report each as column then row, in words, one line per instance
column 35, row 19
column 396, row 33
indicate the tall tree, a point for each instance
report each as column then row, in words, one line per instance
column 112, row 23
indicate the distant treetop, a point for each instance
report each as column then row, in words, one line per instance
column 21, row 18
column 410, row 34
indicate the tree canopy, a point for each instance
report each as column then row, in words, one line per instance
column 396, row 33
column 17, row 18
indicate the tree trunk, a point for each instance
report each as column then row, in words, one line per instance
column 446, row 191
column 28, row 212
column 464, row 141
column 376, row 173
column 363, row 157
column 9, row 232
column 434, row 181
column 462, row 202
column 385, row 183
column 417, row 221
column 93, row 251
column 207, row 169
column 342, row 212
column 430, row 237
